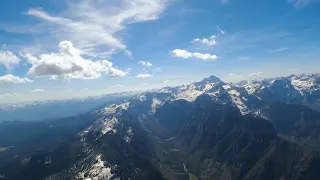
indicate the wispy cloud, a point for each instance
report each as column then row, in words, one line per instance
column 237, row 43
column 144, row 76
column 118, row 86
column 244, row 58
column 268, row 36
column 280, row 49
column 9, row 95
column 301, row 3
column 235, row 76
column 157, row 69
column 181, row 53
column 255, row 74
column 184, row 11
column 8, row 59
column 11, row 79
column 143, row 84
column 95, row 25
column 295, row 70
column 145, row 63
column 224, row 1
column 210, row 41
column 37, row 91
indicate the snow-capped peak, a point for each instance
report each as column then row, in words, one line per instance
column 253, row 86
column 303, row 83
column 212, row 79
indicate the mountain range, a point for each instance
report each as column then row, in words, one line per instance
column 53, row 109
column 209, row 130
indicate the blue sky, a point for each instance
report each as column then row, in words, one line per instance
column 59, row 49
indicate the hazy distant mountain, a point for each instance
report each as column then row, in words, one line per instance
column 259, row 130
column 296, row 89
column 44, row 110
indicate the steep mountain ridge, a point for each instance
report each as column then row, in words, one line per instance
column 218, row 90
column 208, row 129
column 213, row 140
column 222, row 144
column 294, row 89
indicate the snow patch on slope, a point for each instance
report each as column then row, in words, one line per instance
column 214, row 94
column 129, row 135
column 237, row 98
column 109, row 125
column 238, row 102
column 143, row 97
column 88, row 129
column 190, row 93
column 302, row 84
column 252, row 87
column 226, row 86
column 234, row 92
column 155, row 104
column 97, row 171
column 111, row 109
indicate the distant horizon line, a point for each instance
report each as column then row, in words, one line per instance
column 3, row 105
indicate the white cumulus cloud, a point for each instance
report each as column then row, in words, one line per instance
column 211, row 41
column 181, row 53
column 11, row 79
column 37, row 90
column 8, row 59
column 69, row 64
column 144, row 76
column 117, row 86
column 255, row 74
column 145, row 63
